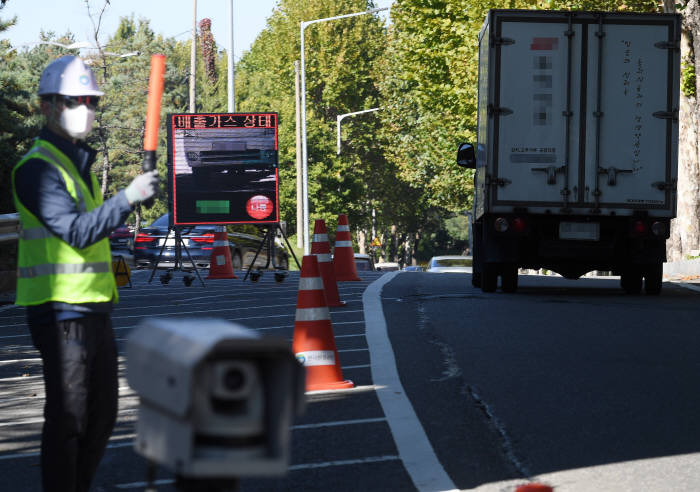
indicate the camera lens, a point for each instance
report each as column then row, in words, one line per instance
column 234, row 379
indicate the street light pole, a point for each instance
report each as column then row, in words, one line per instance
column 304, row 154
column 193, row 55
column 341, row 117
column 231, row 93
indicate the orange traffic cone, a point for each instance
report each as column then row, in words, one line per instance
column 314, row 344
column 344, row 256
column 534, row 487
column 220, row 264
column 322, row 250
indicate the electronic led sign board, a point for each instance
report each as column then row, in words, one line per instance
column 222, row 168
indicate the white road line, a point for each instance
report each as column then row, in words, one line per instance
column 361, row 461
column 364, row 366
column 338, row 423
column 687, row 286
column 34, row 454
column 6, row 362
column 127, row 411
column 354, row 350
column 415, row 449
column 302, row 466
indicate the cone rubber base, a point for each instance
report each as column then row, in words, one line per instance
column 215, row 277
column 347, row 384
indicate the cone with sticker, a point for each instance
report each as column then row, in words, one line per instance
column 343, row 255
column 314, row 344
column 322, row 250
column 220, row 264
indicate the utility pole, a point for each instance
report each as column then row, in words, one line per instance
column 231, row 93
column 300, row 181
column 193, row 55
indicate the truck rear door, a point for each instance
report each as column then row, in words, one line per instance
column 585, row 111
column 631, row 116
column 537, row 63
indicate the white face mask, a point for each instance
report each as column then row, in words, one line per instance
column 77, row 122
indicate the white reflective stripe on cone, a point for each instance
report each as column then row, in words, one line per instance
column 319, row 238
column 343, row 228
column 313, row 314
column 310, row 283
column 343, row 244
column 323, row 257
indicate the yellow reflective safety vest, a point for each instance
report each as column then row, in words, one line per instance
column 48, row 268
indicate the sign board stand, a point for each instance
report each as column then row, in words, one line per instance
column 179, row 246
column 268, row 242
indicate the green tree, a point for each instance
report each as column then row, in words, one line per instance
column 340, row 78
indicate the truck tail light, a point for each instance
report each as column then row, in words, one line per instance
column 658, row 229
column 639, row 228
column 501, row 224
column 519, row 225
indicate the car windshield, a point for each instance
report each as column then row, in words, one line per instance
column 161, row 221
column 449, row 262
column 362, row 265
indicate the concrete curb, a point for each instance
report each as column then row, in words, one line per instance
column 683, row 267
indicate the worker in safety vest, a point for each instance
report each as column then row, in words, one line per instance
column 64, row 274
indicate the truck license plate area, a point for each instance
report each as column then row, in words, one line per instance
column 580, row 231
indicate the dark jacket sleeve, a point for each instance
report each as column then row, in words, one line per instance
column 42, row 190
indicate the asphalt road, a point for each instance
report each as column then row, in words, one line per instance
column 342, row 442
column 568, row 382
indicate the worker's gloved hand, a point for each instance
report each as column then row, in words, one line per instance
column 142, row 187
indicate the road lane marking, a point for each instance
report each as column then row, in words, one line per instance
column 338, row 423
column 34, row 454
column 302, row 466
column 415, row 449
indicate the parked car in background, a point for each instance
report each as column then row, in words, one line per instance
column 413, row 268
column 450, row 264
column 199, row 241
column 121, row 241
column 387, row 266
column 364, row 263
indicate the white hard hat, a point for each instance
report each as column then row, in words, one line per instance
column 68, row 76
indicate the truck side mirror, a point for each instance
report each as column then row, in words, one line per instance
column 465, row 156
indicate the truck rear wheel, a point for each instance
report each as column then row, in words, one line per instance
column 653, row 278
column 509, row 278
column 476, row 279
column 631, row 280
column 489, row 277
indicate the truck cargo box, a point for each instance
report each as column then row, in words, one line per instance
column 578, row 112
column 577, row 145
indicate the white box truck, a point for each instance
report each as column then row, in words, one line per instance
column 577, row 145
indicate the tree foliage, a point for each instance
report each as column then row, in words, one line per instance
column 396, row 173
